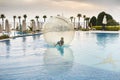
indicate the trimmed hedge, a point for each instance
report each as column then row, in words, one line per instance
column 4, row 36
column 97, row 27
column 108, row 28
column 83, row 29
column 112, row 28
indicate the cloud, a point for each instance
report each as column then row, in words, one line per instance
column 96, row 2
column 52, row 7
column 59, row 3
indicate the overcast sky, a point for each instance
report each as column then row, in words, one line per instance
column 53, row 7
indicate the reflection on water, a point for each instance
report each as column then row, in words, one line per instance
column 7, row 42
column 60, row 49
column 104, row 38
column 34, row 37
column 24, row 45
column 24, row 39
column 108, row 60
column 6, row 50
column 55, row 63
column 21, row 46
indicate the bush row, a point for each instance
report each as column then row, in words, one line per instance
column 4, row 36
column 107, row 28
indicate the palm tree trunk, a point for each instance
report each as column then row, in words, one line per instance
column 74, row 23
column 14, row 27
column 84, row 24
column 38, row 24
column 3, row 23
column 14, row 24
column 20, row 25
column 19, row 21
column 25, row 20
column 44, row 19
column 79, row 23
column 71, row 20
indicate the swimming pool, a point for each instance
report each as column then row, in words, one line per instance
column 90, row 56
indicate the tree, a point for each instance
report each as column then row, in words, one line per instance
column 33, row 26
column 71, row 18
column 108, row 17
column 37, row 17
column 14, row 17
column 100, row 18
column 84, row 16
column 32, row 20
column 44, row 17
column 2, row 17
column 19, row 17
column 7, row 26
column 25, row 16
column 112, row 22
column 93, row 21
column 20, row 27
column 79, row 15
column 74, row 22
column 87, row 22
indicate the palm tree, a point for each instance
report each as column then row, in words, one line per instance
column 84, row 16
column 79, row 15
column 33, row 26
column 37, row 17
column 74, row 22
column 7, row 26
column 25, row 16
column 87, row 21
column 44, row 17
column 14, row 24
column 19, row 17
column 71, row 18
column 2, row 17
column 14, row 20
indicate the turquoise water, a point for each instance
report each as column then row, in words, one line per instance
column 90, row 56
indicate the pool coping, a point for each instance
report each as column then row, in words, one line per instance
column 104, row 31
column 96, row 31
column 21, row 36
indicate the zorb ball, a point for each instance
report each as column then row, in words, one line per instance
column 57, row 27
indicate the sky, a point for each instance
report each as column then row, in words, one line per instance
column 66, row 8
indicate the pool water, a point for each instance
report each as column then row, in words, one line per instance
column 90, row 56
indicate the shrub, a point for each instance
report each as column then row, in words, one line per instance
column 97, row 27
column 112, row 28
column 84, row 29
column 4, row 36
column 107, row 28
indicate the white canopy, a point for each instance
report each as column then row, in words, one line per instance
column 33, row 25
column 104, row 20
column 7, row 26
column 23, row 25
